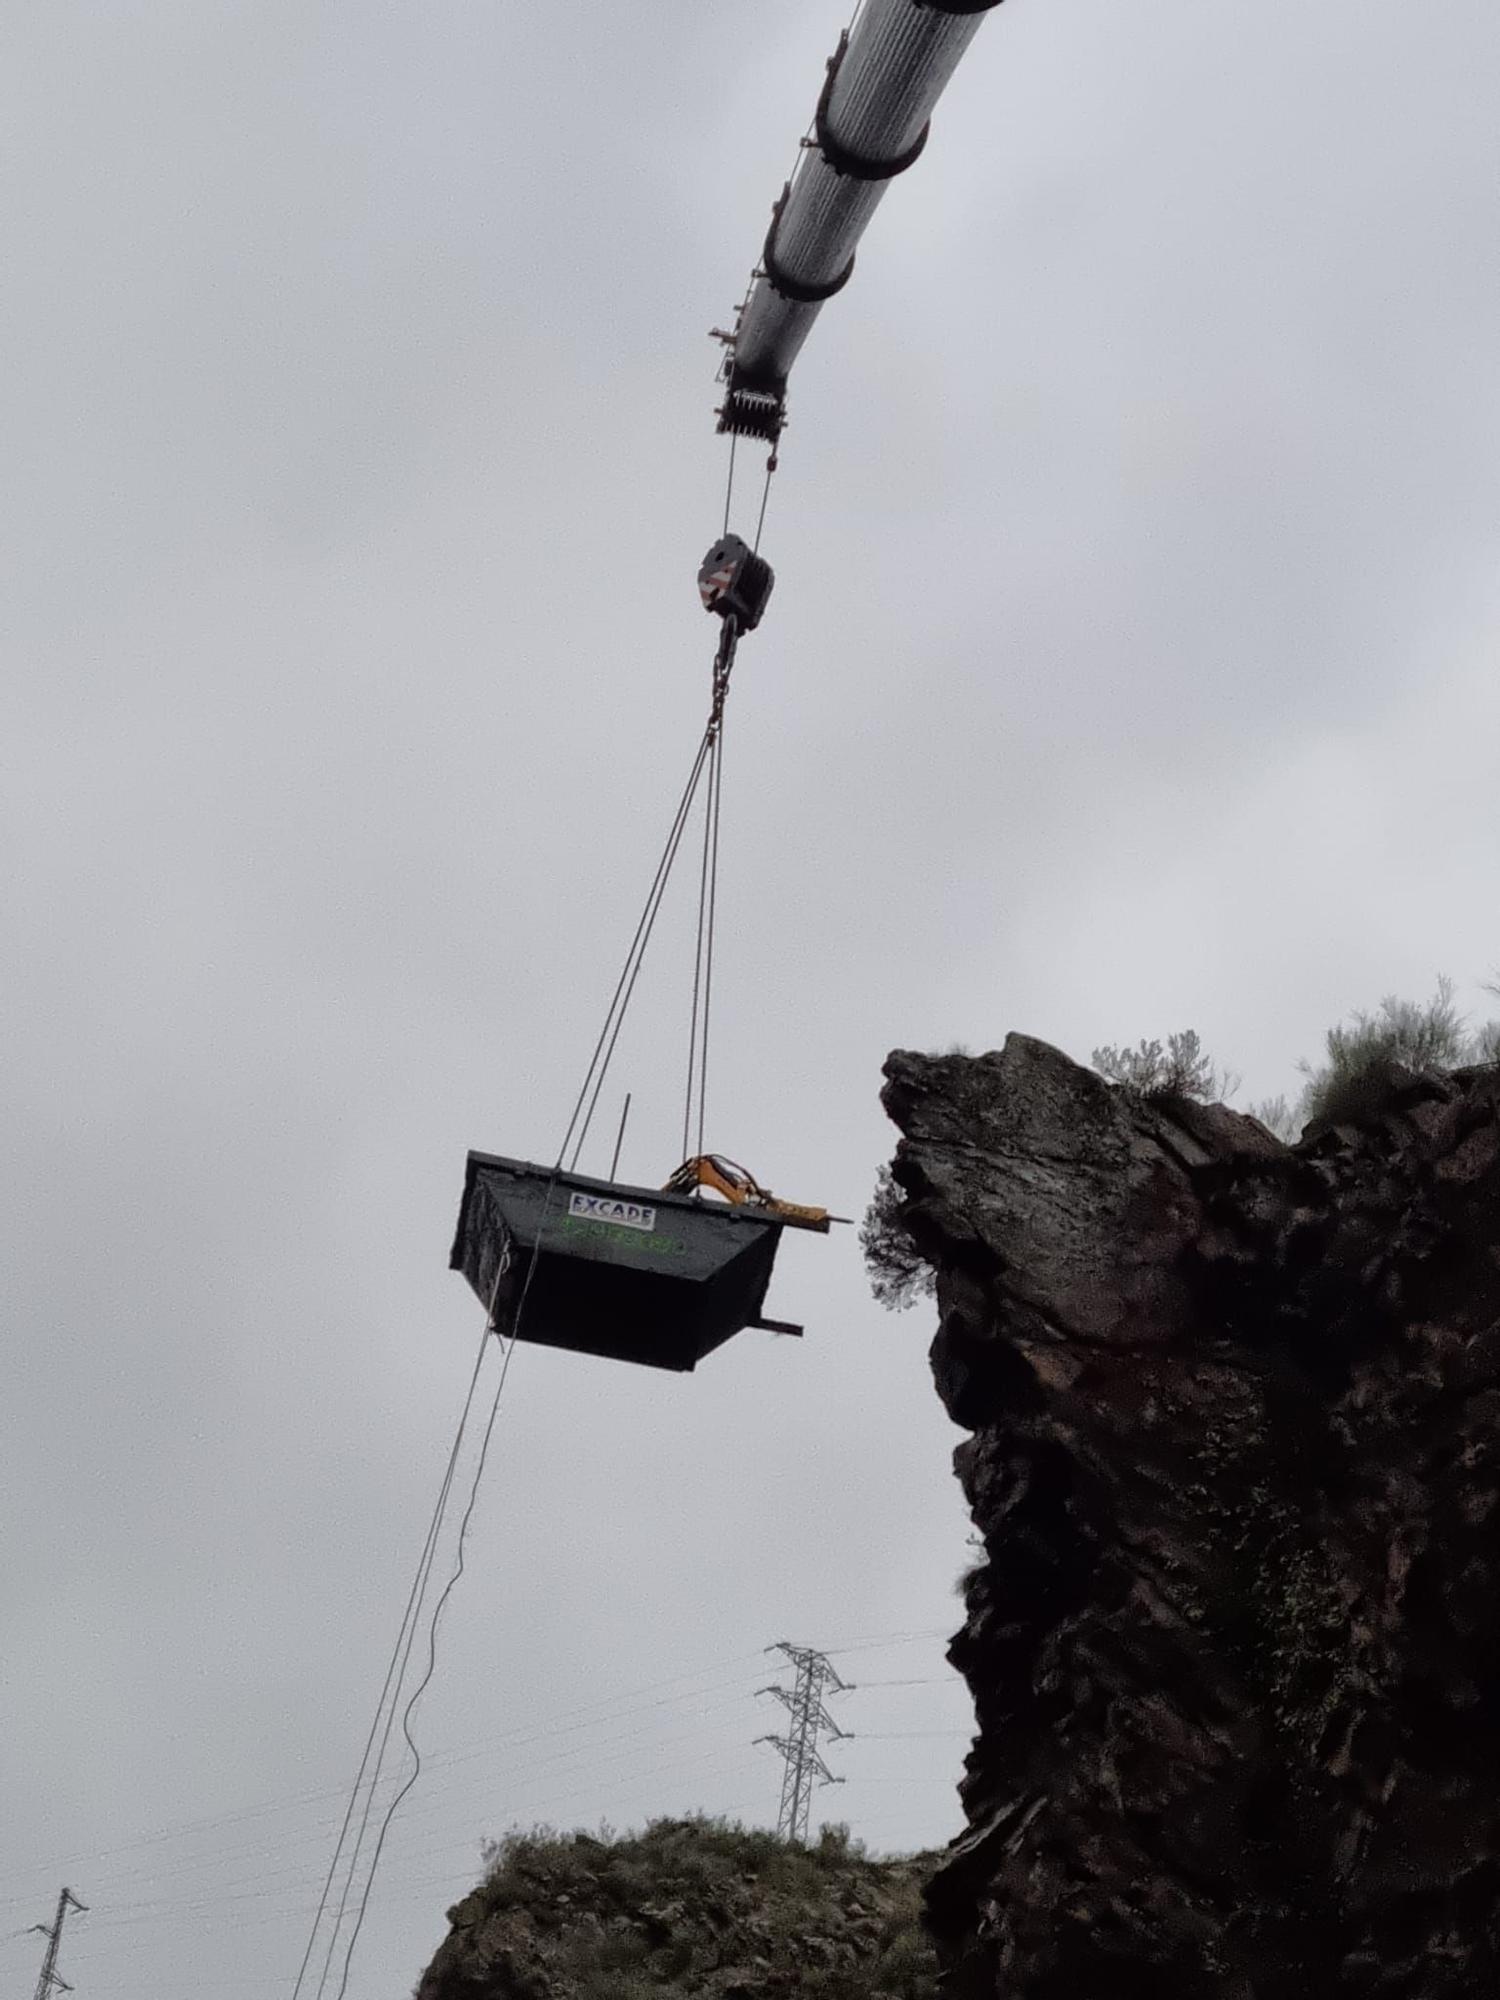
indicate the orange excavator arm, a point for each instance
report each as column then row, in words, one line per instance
column 712, row 1170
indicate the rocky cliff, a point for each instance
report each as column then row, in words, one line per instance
column 1234, row 1453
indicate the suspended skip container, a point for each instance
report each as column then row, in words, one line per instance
column 629, row 1273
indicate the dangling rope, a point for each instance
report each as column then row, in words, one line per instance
column 448, row 1589
column 367, row 1778
column 369, row 1774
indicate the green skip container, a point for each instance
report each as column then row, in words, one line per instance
column 627, row 1273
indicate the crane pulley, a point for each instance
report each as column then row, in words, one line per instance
column 735, row 582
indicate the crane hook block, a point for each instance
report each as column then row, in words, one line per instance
column 735, row 582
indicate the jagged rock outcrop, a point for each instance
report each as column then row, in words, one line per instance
column 1234, row 1645
column 689, row 1909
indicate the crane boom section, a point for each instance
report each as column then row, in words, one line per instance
column 871, row 124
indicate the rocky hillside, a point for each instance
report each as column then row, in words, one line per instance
column 692, row 1909
column 1234, row 1453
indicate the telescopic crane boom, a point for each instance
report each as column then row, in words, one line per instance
column 871, row 123
column 890, row 68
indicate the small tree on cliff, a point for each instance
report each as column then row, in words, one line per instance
column 898, row 1276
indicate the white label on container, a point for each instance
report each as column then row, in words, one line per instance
column 607, row 1208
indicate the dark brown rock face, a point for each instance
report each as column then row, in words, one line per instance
column 1235, row 1457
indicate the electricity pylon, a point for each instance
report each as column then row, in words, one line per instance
column 804, row 1702
column 51, row 1980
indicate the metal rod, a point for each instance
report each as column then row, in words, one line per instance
column 620, row 1138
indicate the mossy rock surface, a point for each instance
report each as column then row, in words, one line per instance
column 690, row 1907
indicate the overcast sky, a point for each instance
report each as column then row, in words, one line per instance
column 1131, row 666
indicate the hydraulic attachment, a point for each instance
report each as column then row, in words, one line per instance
column 712, row 1170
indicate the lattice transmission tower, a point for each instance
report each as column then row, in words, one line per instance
column 52, row 1980
column 805, row 1702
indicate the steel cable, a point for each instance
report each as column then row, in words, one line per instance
column 715, row 779
column 396, row 1672
column 614, row 1019
column 432, row 1636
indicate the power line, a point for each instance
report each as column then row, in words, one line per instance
column 562, row 1741
column 889, row 1639
column 912, row 1735
column 603, row 1712
column 698, row 1747
column 928, row 1681
column 592, row 1754
column 583, row 1722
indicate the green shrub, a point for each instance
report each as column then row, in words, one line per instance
column 1181, row 1069
column 898, row 1275
column 1427, row 1037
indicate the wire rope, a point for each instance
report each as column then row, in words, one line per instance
column 643, row 934
column 715, row 780
column 729, row 483
column 692, row 1061
column 432, row 1636
column 352, row 1869
column 765, row 495
column 697, row 1076
column 625, row 986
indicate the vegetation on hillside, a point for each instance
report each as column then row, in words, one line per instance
column 1426, row 1036
column 690, row 1909
column 1430, row 1037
